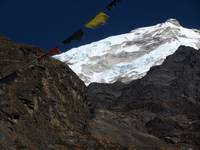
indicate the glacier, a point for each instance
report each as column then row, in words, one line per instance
column 129, row 56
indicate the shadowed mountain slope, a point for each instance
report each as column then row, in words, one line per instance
column 45, row 107
column 164, row 104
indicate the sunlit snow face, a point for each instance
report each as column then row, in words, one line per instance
column 129, row 56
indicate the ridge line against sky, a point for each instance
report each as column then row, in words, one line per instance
column 47, row 23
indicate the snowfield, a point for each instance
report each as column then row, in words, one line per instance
column 129, row 56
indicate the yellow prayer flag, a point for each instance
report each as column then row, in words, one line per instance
column 97, row 21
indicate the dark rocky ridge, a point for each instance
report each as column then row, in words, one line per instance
column 49, row 107
column 45, row 108
column 164, row 106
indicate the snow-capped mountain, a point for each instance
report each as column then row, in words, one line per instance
column 129, row 56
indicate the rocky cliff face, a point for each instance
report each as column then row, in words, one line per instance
column 49, row 107
column 161, row 108
column 45, row 107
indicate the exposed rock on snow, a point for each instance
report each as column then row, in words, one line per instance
column 129, row 56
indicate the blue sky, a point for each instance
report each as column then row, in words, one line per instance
column 45, row 23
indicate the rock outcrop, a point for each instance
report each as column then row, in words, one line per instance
column 159, row 111
column 45, row 107
column 48, row 107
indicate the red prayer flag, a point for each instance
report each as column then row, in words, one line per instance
column 52, row 52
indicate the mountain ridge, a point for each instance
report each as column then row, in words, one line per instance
column 49, row 107
column 129, row 56
column 164, row 103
